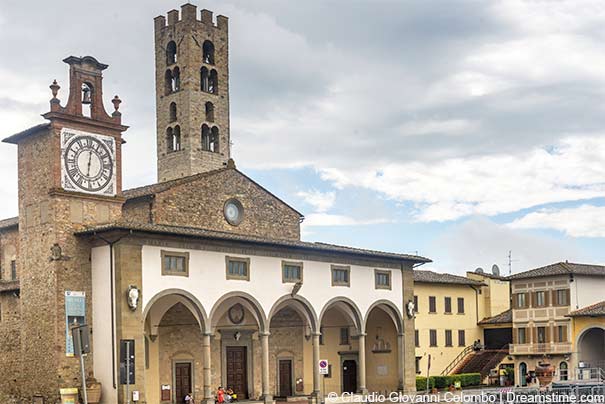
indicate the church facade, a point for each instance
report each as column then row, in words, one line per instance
column 198, row 281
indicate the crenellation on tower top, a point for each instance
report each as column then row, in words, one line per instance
column 188, row 13
column 173, row 17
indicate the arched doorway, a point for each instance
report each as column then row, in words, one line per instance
column 174, row 335
column 342, row 343
column 238, row 324
column 523, row 374
column 563, row 371
column 591, row 348
column 384, row 347
column 292, row 323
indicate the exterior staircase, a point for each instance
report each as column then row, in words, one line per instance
column 476, row 361
column 481, row 362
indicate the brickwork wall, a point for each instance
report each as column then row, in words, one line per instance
column 10, row 343
column 189, row 33
column 9, row 246
column 286, row 342
column 129, row 323
column 408, row 329
column 138, row 211
column 201, row 204
column 48, row 217
column 10, row 316
column 180, row 339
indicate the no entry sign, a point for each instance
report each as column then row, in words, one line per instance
column 323, row 367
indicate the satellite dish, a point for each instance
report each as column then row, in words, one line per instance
column 479, row 270
column 495, row 270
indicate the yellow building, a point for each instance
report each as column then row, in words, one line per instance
column 588, row 339
column 449, row 312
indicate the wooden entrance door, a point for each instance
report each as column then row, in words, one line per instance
column 182, row 381
column 237, row 370
column 349, row 376
column 285, row 377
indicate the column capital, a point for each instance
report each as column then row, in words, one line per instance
column 362, row 334
column 264, row 333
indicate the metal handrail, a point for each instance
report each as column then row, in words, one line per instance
column 457, row 360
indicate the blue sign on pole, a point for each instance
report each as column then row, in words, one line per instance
column 75, row 315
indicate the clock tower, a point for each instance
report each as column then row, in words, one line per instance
column 69, row 176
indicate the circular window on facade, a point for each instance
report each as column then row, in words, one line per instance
column 234, row 212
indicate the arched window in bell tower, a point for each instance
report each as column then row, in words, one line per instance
column 173, row 139
column 205, row 137
column 176, row 79
column 209, row 111
column 208, row 52
column 210, row 138
column 213, row 82
column 171, row 53
column 214, row 139
column 172, row 111
column 168, row 79
column 204, row 79
column 87, row 100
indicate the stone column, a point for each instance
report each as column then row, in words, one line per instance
column 206, row 356
column 362, row 364
column 316, row 375
column 264, row 338
column 400, row 361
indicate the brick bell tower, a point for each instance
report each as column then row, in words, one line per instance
column 69, row 176
column 192, row 92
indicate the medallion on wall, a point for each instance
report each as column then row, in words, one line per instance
column 236, row 313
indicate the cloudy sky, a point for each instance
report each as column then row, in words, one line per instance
column 459, row 130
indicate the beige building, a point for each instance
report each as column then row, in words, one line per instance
column 448, row 311
column 201, row 277
column 543, row 332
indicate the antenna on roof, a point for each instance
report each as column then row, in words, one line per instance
column 479, row 270
column 510, row 262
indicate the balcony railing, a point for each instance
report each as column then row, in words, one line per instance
column 540, row 348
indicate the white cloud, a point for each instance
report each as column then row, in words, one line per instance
column 321, row 201
column 479, row 242
column 581, row 221
column 487, row 185
column 447, row 127
column 327, row 219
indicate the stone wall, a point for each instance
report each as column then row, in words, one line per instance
column 10, row 343
column 201, row 203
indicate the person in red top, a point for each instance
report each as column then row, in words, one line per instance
column 220, row 395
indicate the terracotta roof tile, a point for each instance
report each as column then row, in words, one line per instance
column 502, row 318
column 561, row 268
column 8, row 223
column 218, row 235
column 434, row 277
column 594, row 310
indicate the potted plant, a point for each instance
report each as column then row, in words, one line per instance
column 93, row 390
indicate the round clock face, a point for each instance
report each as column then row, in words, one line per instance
column 234, row 212
column 88, row 163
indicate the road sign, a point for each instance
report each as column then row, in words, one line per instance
column 323, row 367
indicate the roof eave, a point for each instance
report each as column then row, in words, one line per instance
column 118, row 227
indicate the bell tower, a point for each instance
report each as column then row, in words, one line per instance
column 192, row 92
